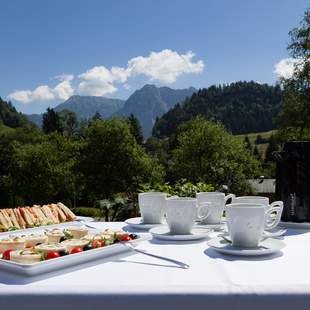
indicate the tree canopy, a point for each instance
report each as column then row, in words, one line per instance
column 206, row 152
column 112, row 161
column 242, row 107
column 295, row 116
column 51, row 121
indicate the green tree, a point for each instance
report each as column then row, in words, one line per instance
column 51, row 122
column 96, row 117
column 207, row 153
column 295, row 115
column 44, row 172
column 271, row 148
column 135, row 128
column 8, row 139
column 112, row 161
column 256, row 153
column 69, row 123
column 247, row 143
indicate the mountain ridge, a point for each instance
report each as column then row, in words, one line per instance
column 242, row 107
column 147, row 104
column 84, row 107
column 151, row 102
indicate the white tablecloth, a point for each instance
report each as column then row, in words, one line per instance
column 135, row 281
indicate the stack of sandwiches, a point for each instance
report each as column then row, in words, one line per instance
column 26, row 217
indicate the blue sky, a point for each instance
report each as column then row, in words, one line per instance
column 52, row 49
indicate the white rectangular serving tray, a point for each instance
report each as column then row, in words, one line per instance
column 35, row 229
column 67, row 261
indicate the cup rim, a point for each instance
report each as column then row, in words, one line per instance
column 183, row 199
column 251, row 197
column 211, row 193
column 240, row 205
column 153, row 193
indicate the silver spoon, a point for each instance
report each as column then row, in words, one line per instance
column 176, row 262
column 129, row 245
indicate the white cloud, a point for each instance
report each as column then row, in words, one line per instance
column 285, row 67
column 64, row 77
column 61, row 91
column 99, row 80
column 164, row 66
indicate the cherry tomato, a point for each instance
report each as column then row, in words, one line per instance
column 98, row 244
column 52, row 254
column 125, row 238
column 6, row 254
column 76, row 250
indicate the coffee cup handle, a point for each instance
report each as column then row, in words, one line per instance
column 277, row 203
column 206, row 206
column 229, row 196
column 274, row 220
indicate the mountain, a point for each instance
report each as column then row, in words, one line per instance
column 35, row 118
column 84, row 107
column 151, row 102
column 242, row 107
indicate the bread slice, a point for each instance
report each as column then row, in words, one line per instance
column 27, row 217
column 13, row 218
column 34, row 218
column 69, row 214
column 21, row 222
column 40, row 215
column 61, row 215
column 7, row 217
column 48, row 213
column 55, row 213
column 3, row 221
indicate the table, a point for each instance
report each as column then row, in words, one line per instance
column 136, row 281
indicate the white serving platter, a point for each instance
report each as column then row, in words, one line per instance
column 67, row 261
column 36, row 229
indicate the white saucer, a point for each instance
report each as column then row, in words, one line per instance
column 218, row 226
column 137, row 222
column 266, row 247
column 85, row 219
column 162, row 232
column 304, row 225
column 274, row 233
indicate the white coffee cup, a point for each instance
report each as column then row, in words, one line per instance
column 217, row 202
column 182, row 213
column 152, row 207
column 261, row 200
column 247, row 221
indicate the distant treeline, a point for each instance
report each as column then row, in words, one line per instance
column 242, row 107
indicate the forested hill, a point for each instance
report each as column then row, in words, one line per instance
column 243, row 107
column 9, row 117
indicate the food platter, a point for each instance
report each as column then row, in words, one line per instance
column 76, row 260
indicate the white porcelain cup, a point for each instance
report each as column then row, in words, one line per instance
column 152, row 206
column 183, row 212
column 217, row 202
column 247, row 221
column 261, row 200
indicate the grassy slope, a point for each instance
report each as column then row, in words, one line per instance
column 252, row 137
